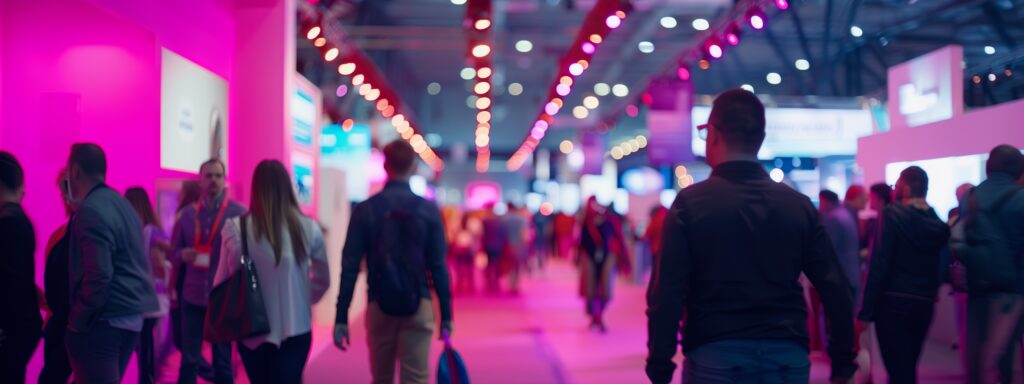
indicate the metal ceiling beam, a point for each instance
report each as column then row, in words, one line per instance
column 824, row 44
column 795, row 15
column 999, row 24
column 788, row 65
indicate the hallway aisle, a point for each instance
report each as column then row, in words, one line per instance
column 541, row 337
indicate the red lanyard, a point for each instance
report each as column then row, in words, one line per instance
column 216, row 224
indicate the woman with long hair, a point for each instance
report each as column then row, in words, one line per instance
column 600, row 240
column 56, row 365
column 287, row 249
column 157, row 245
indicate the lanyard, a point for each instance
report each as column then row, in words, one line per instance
column 216, row 224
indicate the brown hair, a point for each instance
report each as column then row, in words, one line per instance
column 140, row 201
column 190, row 194
column 273, row 202
column 399, row 158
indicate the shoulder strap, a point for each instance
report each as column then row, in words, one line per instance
column 245, row 240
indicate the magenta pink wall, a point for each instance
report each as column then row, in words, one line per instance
column 106, row 53
column 972, row 133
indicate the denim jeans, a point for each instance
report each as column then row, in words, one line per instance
column 193, row 318
column 995, row 323
column 747, row 361
column 101, row 354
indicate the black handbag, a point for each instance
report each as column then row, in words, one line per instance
column 236, row 310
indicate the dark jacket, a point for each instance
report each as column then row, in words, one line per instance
column 905, row 258
column 109, row 269
column 841, row 227
column 1011, row 215
column 17, row 272
column 733, row 249
column 362, row 234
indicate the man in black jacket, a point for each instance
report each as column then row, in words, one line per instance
column 109, row 279
column 733, row 250
column 903, row 278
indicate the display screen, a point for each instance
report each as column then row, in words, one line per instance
column 303, row 118
column 927, row 89
column 193, row 114
column 348, row 151
column 944, row 176
column 801, row 132
column 302, row 172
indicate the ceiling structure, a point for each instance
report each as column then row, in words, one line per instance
column 419, row 42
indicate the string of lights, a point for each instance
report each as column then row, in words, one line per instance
column 365, row 77
column 605, row 16
column 478, row 33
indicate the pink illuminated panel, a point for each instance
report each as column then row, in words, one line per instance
column 479, row 194
column 927, row 89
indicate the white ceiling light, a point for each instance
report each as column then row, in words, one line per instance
column 580, row 112
column 467, row 73
column 990, row 50
column 701, row 24
column 774, row 78
column 471, row 101
column 669, row 22
column 803, row 65
column 748, row 87
column 620, row 90
column 458, row 2
column 646, row 46
column 515, row 89
column 434, row 88
column 602, row 89
column 591, row 102
column 856, row 31
column 524, row 46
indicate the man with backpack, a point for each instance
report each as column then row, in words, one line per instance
column 402, row 237
column 989, row 241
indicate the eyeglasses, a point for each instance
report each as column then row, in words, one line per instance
column 702, row 131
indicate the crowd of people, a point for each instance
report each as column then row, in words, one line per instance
column 748, row 275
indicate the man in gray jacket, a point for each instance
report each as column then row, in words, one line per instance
column 109, row 280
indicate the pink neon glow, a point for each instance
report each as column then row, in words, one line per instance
column 537, row 132
column 480, row 194
column 588, row 48
column 632, row 110
column 562, row 90
column 551, row 108
column 782, row 4
column 684, row 73
column 613, row 21
column 732, row 39
column 575, row 69
column 342, row 90
column 541, row 123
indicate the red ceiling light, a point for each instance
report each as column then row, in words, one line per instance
column 482, row 24
column 733, row 33
column 704, row 64
column 683, row 72
column 481, row 50
column 646, row 98
column 713, row 48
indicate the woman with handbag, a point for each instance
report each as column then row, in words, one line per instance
column 284, row 252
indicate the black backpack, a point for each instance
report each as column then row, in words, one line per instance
column 397, row 266
column 988, row 256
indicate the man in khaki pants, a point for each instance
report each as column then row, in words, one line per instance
column 402, row 237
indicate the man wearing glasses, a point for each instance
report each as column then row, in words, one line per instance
column 733, row 249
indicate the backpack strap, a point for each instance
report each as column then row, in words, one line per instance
column 245, row 240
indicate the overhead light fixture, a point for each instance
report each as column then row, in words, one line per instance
column 482, row 24
column 313, row 33
column 646, row 46
column 331, row 54
column 669, row 22
column 524, row 46
column 602, row 89
column 591, row 102
column 856, row 31
column 515, row 89
column 613, row 21
column 713, row 48
column 802, row 64
column 683, row 72
column 458, row 2
column 481, row 50
column 576, row 69
column 756, row 17
column 782, row 4
column 774, row 78
column 990, row 50
column 580, row 112
column 467, row 73
column 434, row 88
column 733, row 33
column 992, row 77
column 701, row 24
column 566, row 147
column 346, row 69
column 620, row 90
column 748, row 88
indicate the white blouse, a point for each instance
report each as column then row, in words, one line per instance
column 289, row 289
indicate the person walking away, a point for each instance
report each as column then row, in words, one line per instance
column 655, row 228
column 989, row 240
column 565, row 235
column 841, row 226
column 56, row 366
column 401, row 237
column 903, row 279
column 518, row 233
column 157, row 245
column 495, row 241
column 20, row 322
column 109, row 273
column 287, row 249
column 464, row 248
column 190, row 194
column 732, row 253
column 879, row 197
column 597, row 261
column 196, row 244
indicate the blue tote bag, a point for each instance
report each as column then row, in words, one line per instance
column 450, row 368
